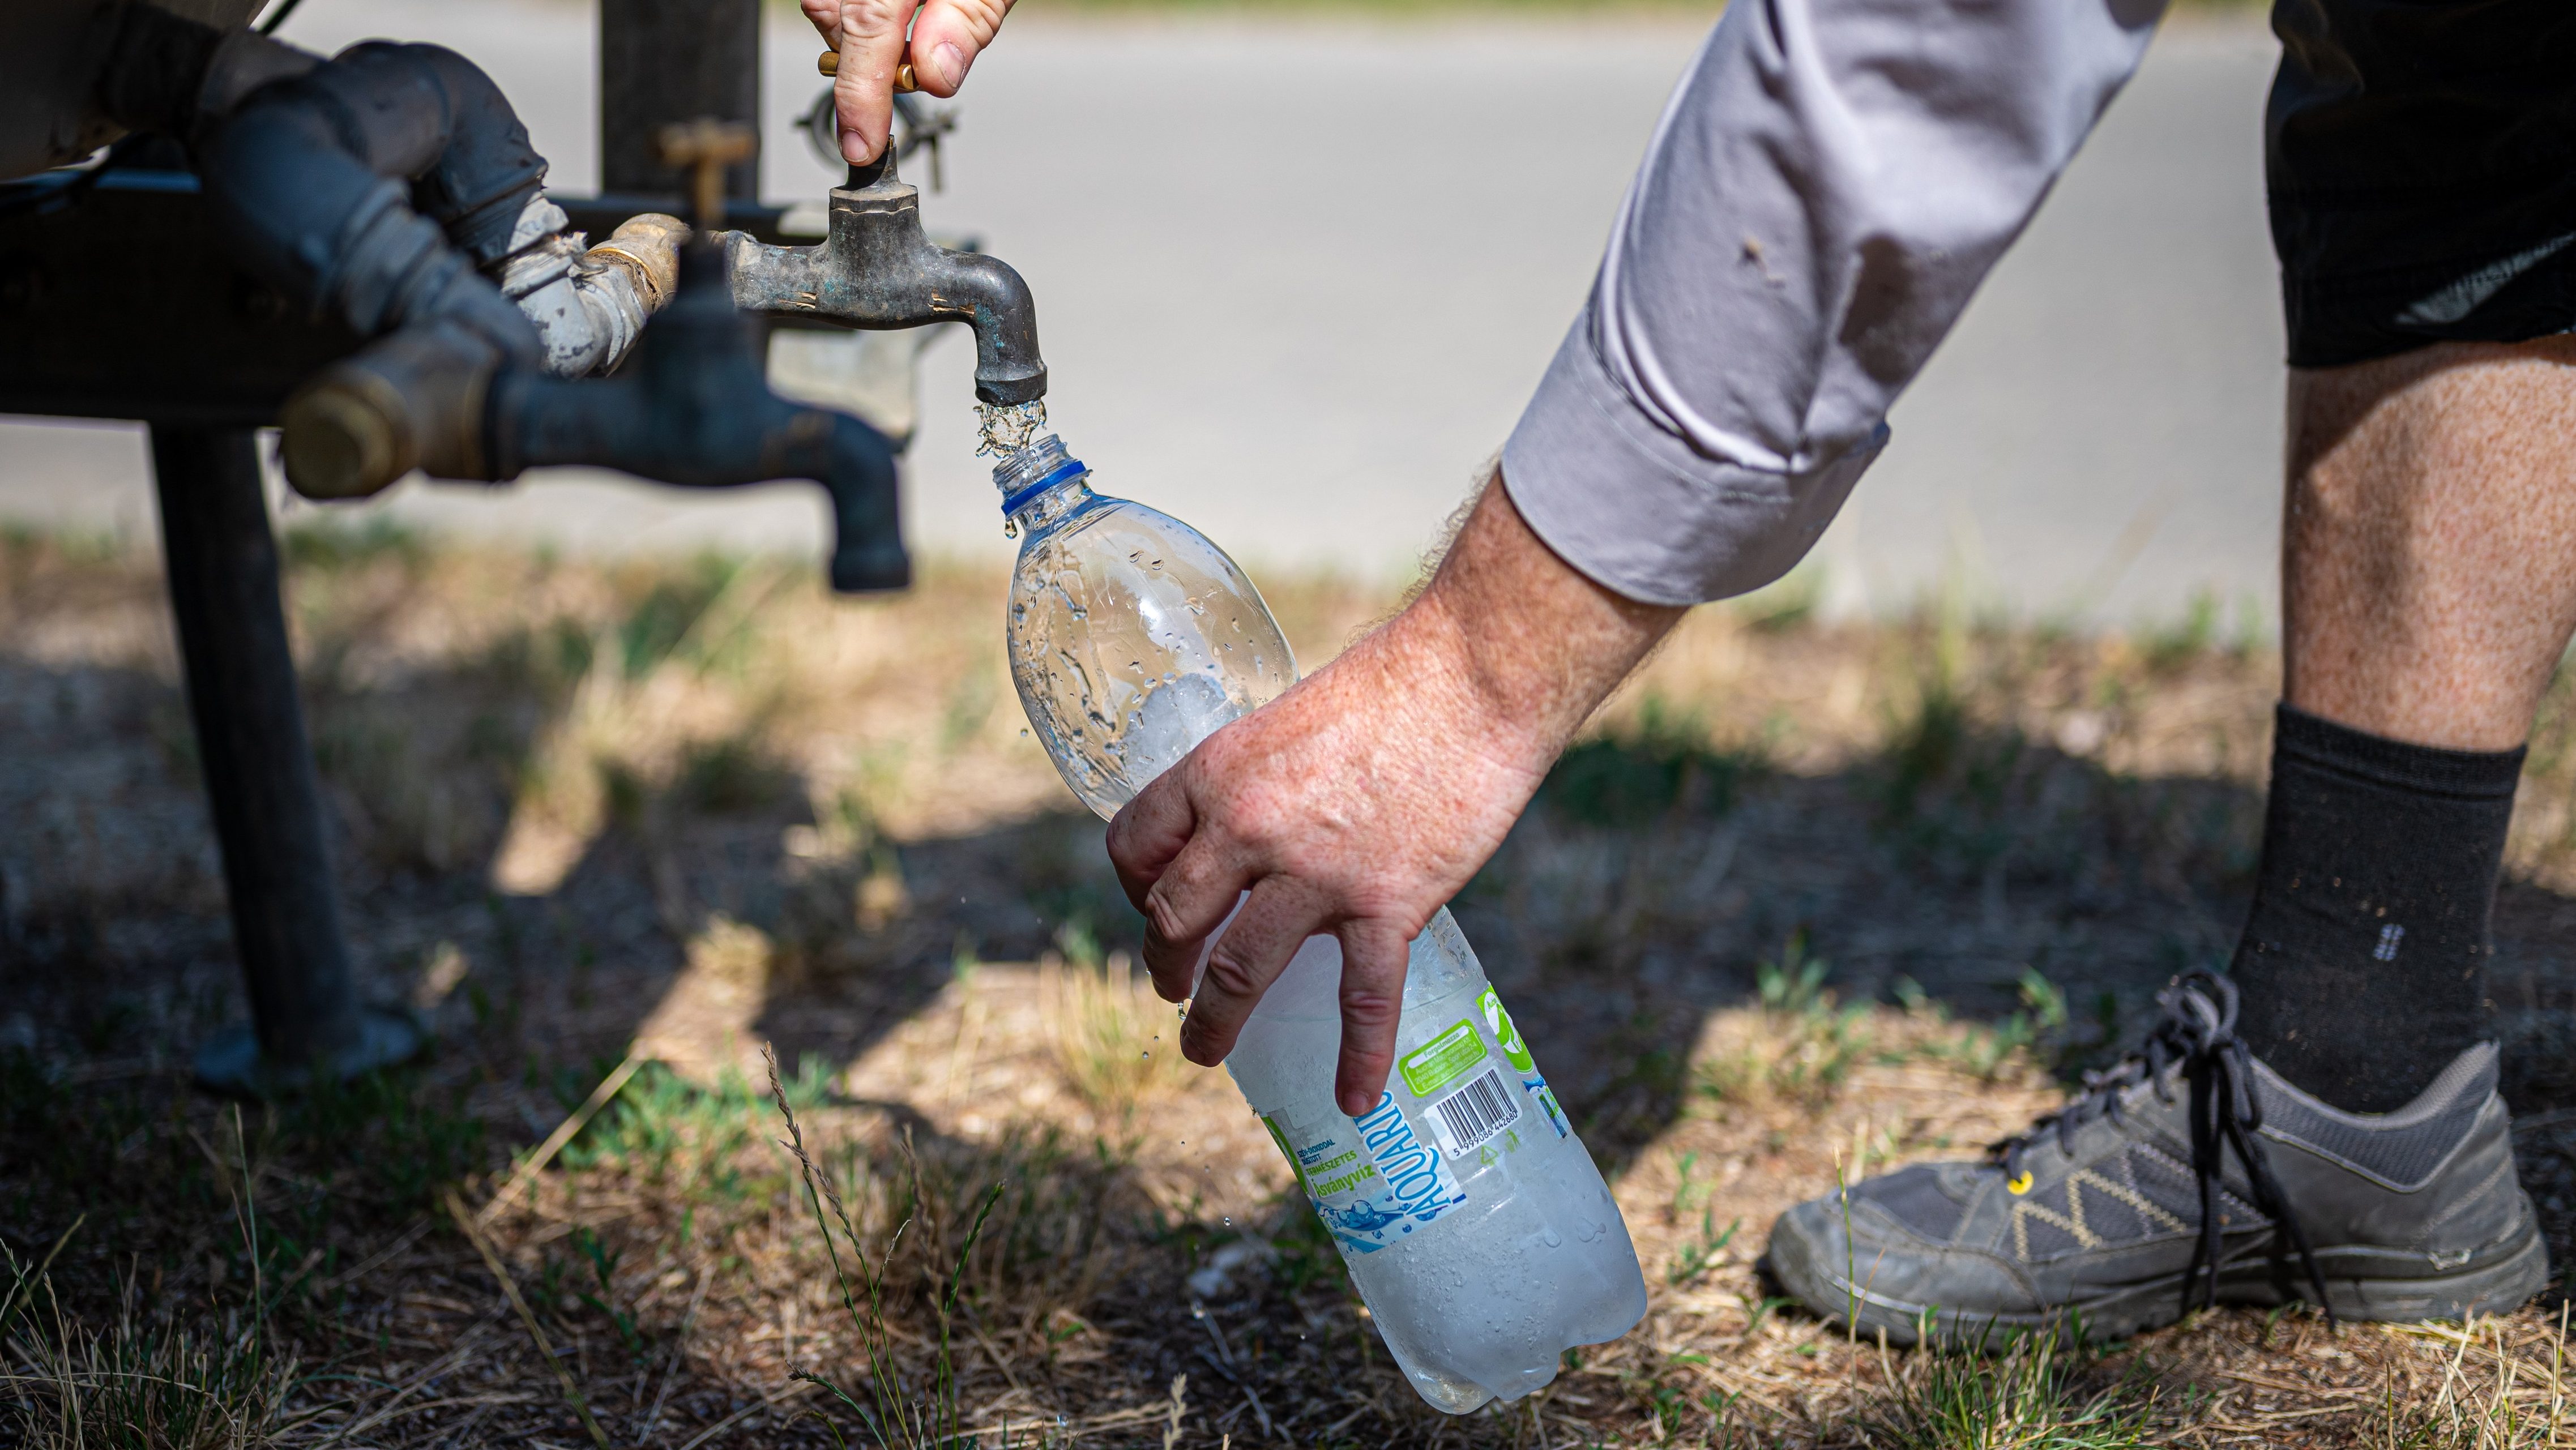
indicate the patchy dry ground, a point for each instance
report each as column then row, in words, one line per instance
column 1812, row 900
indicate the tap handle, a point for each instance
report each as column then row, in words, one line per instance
column 905, row 82
column 706, row 146
column 880, row 172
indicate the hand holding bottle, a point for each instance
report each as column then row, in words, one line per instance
column 1352, row 806
column 1364, row 798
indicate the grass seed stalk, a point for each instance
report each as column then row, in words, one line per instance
column 896, row 1420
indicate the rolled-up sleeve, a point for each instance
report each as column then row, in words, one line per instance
column 1827, row 187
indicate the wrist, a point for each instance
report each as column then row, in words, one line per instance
column 1530, row 643
column 1484, row 692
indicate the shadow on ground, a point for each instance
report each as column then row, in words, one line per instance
column 1961, row 869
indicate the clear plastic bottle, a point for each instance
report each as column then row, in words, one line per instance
column 1474, row 1224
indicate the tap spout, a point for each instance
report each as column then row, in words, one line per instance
column 875, row 269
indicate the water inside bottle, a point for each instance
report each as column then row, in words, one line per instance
column 1132, row 636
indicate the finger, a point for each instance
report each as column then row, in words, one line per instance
column 826, row 16
column 1373, row 961
column 948, row 37
column 872, row 46
column 1187, row 908
column 1148, row 832
column 1249, row 954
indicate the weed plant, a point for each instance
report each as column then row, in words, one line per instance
column 1802, row 1046
column 1114, row 1042
column 896, row 1416
column 157, row 1377
column 2011, row 1391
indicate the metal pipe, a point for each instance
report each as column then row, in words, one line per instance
column 313, row 180
column 692, row 408
column 258, row 768
column 695, row 409
column 875, row 269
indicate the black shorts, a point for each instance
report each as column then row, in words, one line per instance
column 2420, row 160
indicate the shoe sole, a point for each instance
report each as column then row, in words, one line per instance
column 2508, row 1279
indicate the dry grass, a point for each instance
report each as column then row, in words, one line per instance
column 1814, row 900
column 1111, row 1036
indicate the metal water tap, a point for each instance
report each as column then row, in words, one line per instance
column 875, row 269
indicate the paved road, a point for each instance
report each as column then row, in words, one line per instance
column 1297, row 278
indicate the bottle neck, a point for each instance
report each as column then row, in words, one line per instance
column 1040, row 483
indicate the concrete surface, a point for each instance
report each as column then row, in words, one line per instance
column 1296, row 279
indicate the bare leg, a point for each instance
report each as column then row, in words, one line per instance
column 2429, row 540
column 2428, row 587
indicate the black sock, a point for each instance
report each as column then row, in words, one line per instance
column 2364, row 961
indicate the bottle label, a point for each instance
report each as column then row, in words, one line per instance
column 1444, row 1059
column 1372, row 1180
column 1483, row 1108
column 1517, row 1053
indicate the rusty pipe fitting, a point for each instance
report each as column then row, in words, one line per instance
column 411, row 399
column 648, row 248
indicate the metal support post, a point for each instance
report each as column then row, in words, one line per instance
column 667, row 62
column 260, row 782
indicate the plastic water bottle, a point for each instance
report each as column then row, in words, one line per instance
column 1475, row 1225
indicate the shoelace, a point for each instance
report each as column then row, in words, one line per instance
column 2199, row 1036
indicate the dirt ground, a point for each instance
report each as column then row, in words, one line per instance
column 1811, row 900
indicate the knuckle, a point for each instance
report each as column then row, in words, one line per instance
column 1231, row 975
column 1367, row 1007
column 1161, row 919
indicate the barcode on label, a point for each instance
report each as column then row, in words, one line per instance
column 1484, row 1107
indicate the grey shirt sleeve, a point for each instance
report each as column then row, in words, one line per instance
column 1826, row 189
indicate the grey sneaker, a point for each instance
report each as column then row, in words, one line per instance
column 2189, row 1175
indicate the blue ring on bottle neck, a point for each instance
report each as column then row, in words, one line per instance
column 1070, row 468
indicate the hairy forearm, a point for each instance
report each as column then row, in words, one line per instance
column 1515, row 637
